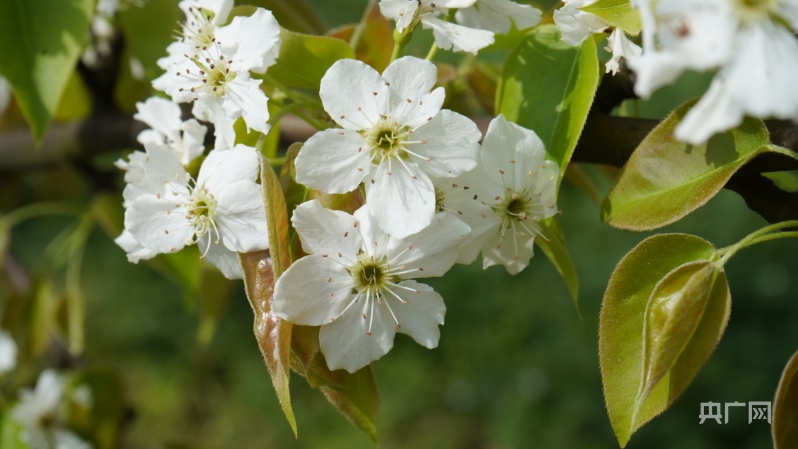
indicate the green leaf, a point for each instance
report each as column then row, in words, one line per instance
column 665, row 179
column 622, row 319
column 548, row 87
column 261, row 271
column 684, row 321
column 375, row 44
column 304, row 59
column 552, row 243
column 618, row 13
column 295, row 15
column 148, row 28
column 785, row 408
column 10, row 431
column 355, row 396
column 41, row 41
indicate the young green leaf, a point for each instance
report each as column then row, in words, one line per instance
column 665, row 179
column 552, row 243
column 304, row 59
column 618, row 13
column 684, row 321
column 548, row 87
column 623, row 312
column 785, row 408
column 42, row 41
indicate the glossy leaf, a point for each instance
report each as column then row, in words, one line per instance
column 684, row 321
column 622, row 319
column 261, row 270
column 785, row 407
column 41, row 41
column 665, row 179
column 618, row 13
column 304, row 59
column 548, row 87
column 375, row 44
column 148, row 28
column 296, row 15
column 552, row 243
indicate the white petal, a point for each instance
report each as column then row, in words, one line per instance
column 325, row 231
column 450, row 36
column 313, row 291
column 252, row 42
column 222, row 168
column 576, row 25
column 241, row 217
column 333, row 161
column 451, row 3
column 193, row 141
column 498, row 16
column 716, row 111
column 411, row 81
column 221, row 257
column 433, row 250
column 513, row 251
column 450, row 141
column 401, row 11
column 8, row 352
column 654, row 70
column 401, row 199
column 375, row 240
column 701, row 32
column 211, row 109
column 161, row 115
column 135, row 251
column 65, row 439
column 354, row 94
column 345, row 342
column 421, row 314
column 158, row 224
column 244, row 98
column 621, row 47
column 133, row 167
column 510, row 152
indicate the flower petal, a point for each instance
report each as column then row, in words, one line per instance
column 432, row 251
column 401, row 11
column 241, row 217
column 450, row 36
column 325, row 231
column 158, row 224
column 222, row 168
column 313, row 291
column 333, row 161
column 511, row 153
column 514, row 250
column 161, row 115
column 252, row 42
column 244, row 98
column 133, row 248
column 421, row 313
column 411, row 80
column 401, row 198
column 345, row 342
column 449, row 144
column 354, row 94
column 498, row 15
column 221, row 257
column 716, row 111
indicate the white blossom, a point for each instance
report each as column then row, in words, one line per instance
column 222, row 211
column 357, row 283
column 185, row 138
column 8, row 352
column 448, row 36
column 621, row 47
column 395, row 137
column 750, row 43
column 504, row 198
column 498, row 16
column 38, row 413
column 217, row 78
column 198, row 32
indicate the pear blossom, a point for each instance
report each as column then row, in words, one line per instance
column 448, row 36
column 38, row 413
column 357, row 283
column 576, row 25
column 8, row 352
column 752, row 44
column 185, row 138
column 395, row 137
column 198, row 32
column 5, row 95
column 504, row 198
column 498, row 16
column 222, row 211
column 217, row 76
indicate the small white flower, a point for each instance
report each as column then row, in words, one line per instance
column 621, row 47
column 751, row 43
column 8, row 352
column 198, row 32
column 222, row 211
column 448, row 36
column 576, row 25
column 394, row 138
column 38, row 413
column 185, row 138
column 356, row 283
column 498, row 16
column 512, row 189
column 217, row 78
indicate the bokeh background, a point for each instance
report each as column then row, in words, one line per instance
column 516, row 366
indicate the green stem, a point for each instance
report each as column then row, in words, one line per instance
column 432, row 51
column 25, row 213
column 772, row 232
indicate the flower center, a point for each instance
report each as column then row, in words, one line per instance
column 387, row 139
column 198, row 28
column 201, row 208
column 370, row 274
column 514, row 207
column 754, row 10
column 212, row 73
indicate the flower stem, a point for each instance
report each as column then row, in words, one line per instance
column 25, row 213
column 432, row 51
column 772, row 232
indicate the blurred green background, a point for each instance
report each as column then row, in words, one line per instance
column 516, row 366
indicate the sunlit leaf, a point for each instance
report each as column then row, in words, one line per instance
column 618, row 13
column 665, row 179
column 548, row 87
column 622, row 319
column 684, row 321
column 304, row 59
column 41, row 42
column 785, row 407
column 10, row 431
column 552, row 243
